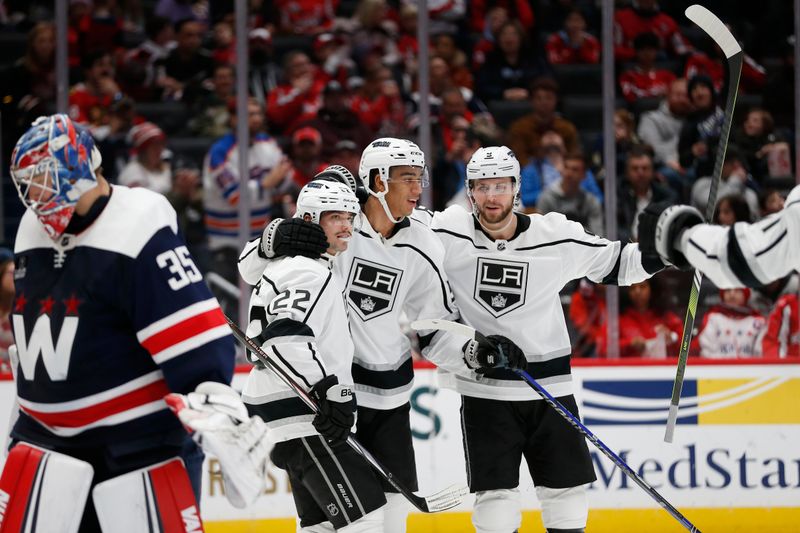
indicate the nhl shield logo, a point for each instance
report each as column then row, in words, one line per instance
column 371, row 288
column 500, row 285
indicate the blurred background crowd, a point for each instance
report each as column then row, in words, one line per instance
column 155, row 81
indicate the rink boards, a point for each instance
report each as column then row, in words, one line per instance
column 734, row 465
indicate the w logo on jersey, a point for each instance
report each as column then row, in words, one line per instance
column 55, row 357
column 500, row 285
column 372, row 288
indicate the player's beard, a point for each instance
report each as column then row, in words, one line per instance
column 495, row 217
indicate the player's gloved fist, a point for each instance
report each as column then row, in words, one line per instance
column 499, row 352
column 660, row 227
column 337, row 409
column 293, row 236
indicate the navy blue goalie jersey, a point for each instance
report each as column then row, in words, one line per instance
column 108, row 321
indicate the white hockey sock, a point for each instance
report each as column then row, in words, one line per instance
column 497, row 511
column 564, row 508
column 395, row 513
column 369, row 523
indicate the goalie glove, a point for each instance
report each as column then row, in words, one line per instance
column 500, row 352
column 293, row 236
column 217, row 419
column 337, row 409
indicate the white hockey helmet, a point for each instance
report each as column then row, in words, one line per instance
column 339, row 173
column 383, row 154
column 324, row 195
column 493, row 162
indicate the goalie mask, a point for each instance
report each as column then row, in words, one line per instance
column 492, row 162
column 52, row 166
column 384, row 154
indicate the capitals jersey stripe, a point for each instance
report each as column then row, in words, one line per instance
column 192, row 343
column 80, row 418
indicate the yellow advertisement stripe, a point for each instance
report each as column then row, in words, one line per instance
column 746, row 520
column 774, row 406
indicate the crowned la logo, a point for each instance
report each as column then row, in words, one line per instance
column 500, row 285
column 372, row 288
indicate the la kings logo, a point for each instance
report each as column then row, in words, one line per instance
column 500, row 285
column 372, row 288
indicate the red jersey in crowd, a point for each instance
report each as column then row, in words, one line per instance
column 634, row 324
column 86, row 107
column 301, row 178
column 561, row 52
column 630, row 22
column 638, row 83
column 782, row 338
column 753, row 75
column 307, row 16
column 374, row 112
column 287, row 107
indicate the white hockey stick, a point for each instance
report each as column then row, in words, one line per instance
column 472, row 333
column 441, row 501
column 714, row 27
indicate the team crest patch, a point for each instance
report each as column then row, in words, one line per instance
column 372, row 288
column 500, row 285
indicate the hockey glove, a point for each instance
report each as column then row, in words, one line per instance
column 218, row 421
column 337, row 409
column 293, row 236
column 660, row 227
column 500, row 352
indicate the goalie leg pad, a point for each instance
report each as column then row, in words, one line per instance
column 43, row 491
column 158, row 499
column 564, row 508
column 497, row 511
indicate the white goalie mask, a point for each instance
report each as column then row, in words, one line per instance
column 326, row 194
column 493, row 162
column 383, row 154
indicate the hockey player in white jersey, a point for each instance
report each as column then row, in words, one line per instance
column 506, row 270
column 742, row 255
column 111, row 315
column 299, row 317
column 393, row 265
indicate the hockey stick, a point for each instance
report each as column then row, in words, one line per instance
column 467, row 331
column 733, row 52
column 441, row 501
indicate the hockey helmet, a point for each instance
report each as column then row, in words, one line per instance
column 383, row 154
column 493, row 162
column 323, row 195
column 52, row 166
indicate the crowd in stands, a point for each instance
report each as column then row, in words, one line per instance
column 155, row 81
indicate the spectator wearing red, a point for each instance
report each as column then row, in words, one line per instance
column 300, row 97
column 335, row 121
column 453, row 106
column 188, row 65
column 587, row 312
column 646, row 328
column 444, row 46
column 782, row 337
column 148, row 167
column 137, row 70
column 77, row 24
column 496, row 17
column 223, row 49
column 519, row 10
column 709, row 60
column 89, row 101
column 407, row 44
column 644, row 80
column 573, row 45
column 510, row 68
column 306, row 17
column 645, row 16
column 306, row 155
column 378, row 103
column 102, row 29
column 731, row 329
column 525, row 134
column 332, row 55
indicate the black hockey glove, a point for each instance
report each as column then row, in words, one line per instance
column 660, row 227
column 501, row 352
column 337, row 409
column 293, row 236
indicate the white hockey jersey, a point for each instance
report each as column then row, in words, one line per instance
column 747, row 255
column 298, row 317
column 384, row 278
column 511, row 288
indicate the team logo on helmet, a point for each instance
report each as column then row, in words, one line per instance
column 500, row 285
column 372, row 288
